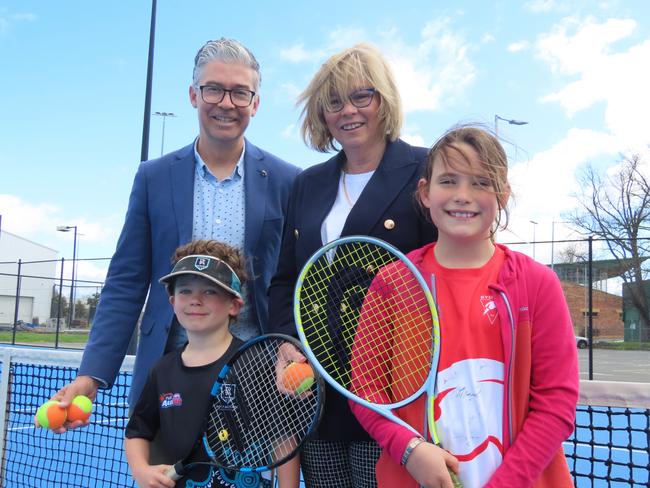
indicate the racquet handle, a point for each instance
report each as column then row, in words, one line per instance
column 454, row 479
column 175, row 471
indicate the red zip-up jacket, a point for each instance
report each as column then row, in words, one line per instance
column 541, row 383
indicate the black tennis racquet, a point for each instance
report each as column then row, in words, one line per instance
column 254, row 424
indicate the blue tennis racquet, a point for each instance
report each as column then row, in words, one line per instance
column 254, row 424
column 369, row 324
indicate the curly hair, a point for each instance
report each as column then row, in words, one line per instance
column 230, row 255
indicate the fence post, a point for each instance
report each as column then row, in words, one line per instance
column 590, row 307
column 58, row 307
column 18, row 278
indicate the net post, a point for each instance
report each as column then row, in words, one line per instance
column 5, row 372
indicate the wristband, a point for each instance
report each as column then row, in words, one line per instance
column 413, row 443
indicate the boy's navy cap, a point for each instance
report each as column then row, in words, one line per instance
column 209, row 267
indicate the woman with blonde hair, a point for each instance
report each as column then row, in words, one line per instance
column 351, row 105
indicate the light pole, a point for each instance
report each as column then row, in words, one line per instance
column 553, row 240
column 534, row 226
column 68, row 228
column 164, row 115
column 510, row 121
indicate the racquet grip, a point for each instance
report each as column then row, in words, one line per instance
column 175, row 472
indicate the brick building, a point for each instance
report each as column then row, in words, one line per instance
column 607, row 311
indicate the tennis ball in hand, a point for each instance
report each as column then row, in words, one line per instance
column 80, row 408
column 298, row 377
column 50, row 415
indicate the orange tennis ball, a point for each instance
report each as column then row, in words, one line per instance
column 50, row 415
column 298, row 377
column 80, row 408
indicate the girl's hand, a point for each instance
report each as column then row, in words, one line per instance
column 428, row 464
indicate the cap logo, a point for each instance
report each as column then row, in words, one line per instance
column 201, row 263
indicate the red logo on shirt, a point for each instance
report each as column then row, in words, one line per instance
column 489, row 307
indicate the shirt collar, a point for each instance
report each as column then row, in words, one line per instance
column 236, row 174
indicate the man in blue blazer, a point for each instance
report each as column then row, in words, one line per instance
column 219, row 187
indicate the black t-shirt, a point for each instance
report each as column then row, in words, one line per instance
column 175, row 401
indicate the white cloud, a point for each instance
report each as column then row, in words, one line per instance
column 434, row 71
column 544, row 185
column 38, row 222
column 518, row 46
column 619, row 79
column 296, row 54
column 538, row 6
column 575, row 46
column 414, row 139
column 26, row 219
column 487, row 38
column 290, row 132
column 7, row 20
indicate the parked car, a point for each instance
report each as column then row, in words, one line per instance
column 582, row 342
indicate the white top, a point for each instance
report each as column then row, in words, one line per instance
column 350, row 188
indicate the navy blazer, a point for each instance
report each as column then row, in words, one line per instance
column 387, row 209
column 158, row 220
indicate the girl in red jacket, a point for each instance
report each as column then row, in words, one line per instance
column 507, row 383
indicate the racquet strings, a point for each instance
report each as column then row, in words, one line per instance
column 251, row 423
column 368, row 322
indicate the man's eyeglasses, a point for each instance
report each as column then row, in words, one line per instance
column 240, row 97
column 359, row 98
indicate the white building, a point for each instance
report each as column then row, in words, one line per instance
column 37, row 278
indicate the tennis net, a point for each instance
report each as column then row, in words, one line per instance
column 31, row 457
column 611, row 442
column 610, row 445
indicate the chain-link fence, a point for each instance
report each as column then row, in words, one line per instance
column 40, row 307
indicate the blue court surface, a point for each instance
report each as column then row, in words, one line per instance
column 93, row 456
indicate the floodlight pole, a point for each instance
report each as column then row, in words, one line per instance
column 68, row 228
column 510, row 121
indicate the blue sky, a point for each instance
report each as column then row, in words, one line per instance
column 73, row 81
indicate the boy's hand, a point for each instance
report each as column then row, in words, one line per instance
column 82, row 385
column 147, row 476
column 428, row 464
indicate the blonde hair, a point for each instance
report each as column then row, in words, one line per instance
column 491, row 155
column 361, row 66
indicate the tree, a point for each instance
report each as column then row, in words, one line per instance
column 54, row 305
column 92, row 302
column 616, row 208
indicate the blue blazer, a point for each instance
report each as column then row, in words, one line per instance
column 158, row 220
column 387, row 208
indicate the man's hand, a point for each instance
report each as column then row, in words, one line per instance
column 82, row 385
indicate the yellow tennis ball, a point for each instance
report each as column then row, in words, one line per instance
column 223, row 435
column 50, row 415
column 80, row 408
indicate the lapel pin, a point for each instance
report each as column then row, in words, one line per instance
column 263, row 172
column 389, row 224
column 296, row 233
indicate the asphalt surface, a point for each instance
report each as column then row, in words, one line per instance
column 609, row 365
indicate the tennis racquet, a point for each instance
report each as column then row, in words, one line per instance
column 253, row 424
column 369, row 324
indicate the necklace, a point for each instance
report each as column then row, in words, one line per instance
column 345, row 192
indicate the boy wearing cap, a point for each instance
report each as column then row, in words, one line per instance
column 204, row 289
